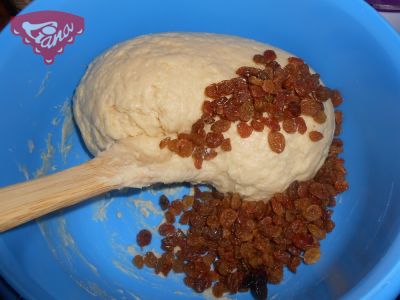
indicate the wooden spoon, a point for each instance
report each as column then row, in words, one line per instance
column 26, row 201
column 122, row 165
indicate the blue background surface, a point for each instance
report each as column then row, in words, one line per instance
column 80, row 253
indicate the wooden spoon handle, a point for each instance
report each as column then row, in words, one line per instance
column 26, row 201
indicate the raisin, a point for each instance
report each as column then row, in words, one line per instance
column 310, row 107
column 209, row 108
column 228, row 217
column 219, row 289
column 169, row 217
column 294, row 109
column 315, row 136
column 244, row 130
column 143, row 238
column 164, row 142
column 226, row 145
column 150, row 260
column 259, row 59
column 138, row 261
column 319, row 190
column 176, row 207
column 316, row 232
column 322, row 93
column 185, row 217
column 209, row 154
column 302, row 241
column 187, row 202
column 312, row 255
column 177, row 266
column 211, row 91
column 301, row 125
column 272, row 123
column 289, row 125
column 214, row 140
column 257, row 91
column 166, row 229
column 184, row 148
column 269, row 86
column 246, row 111
column 269, row 55
column 276, row 141
column 256, row 81
column 320, row 117
column 221, row 126
column 164, row 202
column 257, row 125
column 225, row 87
column 277, row 207
column 248, row 71
column 312, row 213
column 295, row 60
column 336, row 98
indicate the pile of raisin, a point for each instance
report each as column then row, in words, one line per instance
column 234, row 246
column 270, row 96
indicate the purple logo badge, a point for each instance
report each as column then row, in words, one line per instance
column 48, row 32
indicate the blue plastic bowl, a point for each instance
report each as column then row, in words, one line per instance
column 85, row 252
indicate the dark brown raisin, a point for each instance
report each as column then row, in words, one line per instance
column 166, row 229
column 169, row 217
column 164, row 202
column 143, row 238
column 269, row 55
column 150, row 260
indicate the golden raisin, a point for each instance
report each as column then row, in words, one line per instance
column 138, row 261
column 214, row 140
column 276, row 141
column 257, row 125
column 312, row 255
column 164, row 142
column 289, row 125
column 315, row 136
column 301, row 125
column 320, row 117
column 244, row 130
column 228, row 217
column 221, row 126
column 226, row 145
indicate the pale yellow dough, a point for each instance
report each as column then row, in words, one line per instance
column 150, row 87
